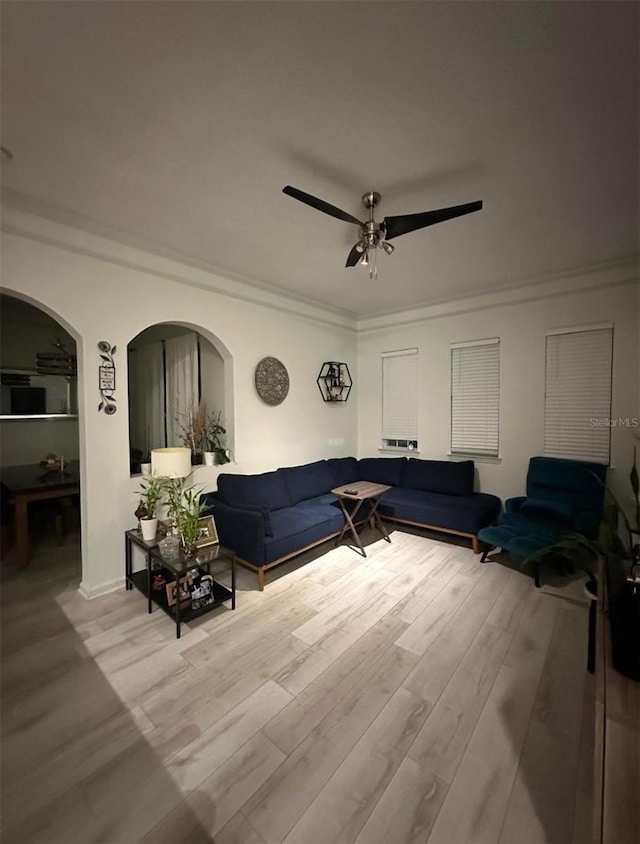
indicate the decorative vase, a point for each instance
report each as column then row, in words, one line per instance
column 149, row 528
column 145, row 468
column 170, row 546
column 209, row 458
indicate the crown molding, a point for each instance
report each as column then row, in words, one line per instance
column 158, row 262
column 615, row 273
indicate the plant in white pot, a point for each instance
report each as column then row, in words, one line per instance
column 213, row 433
column 151, row 492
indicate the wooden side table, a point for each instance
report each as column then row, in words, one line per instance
column 361, row 491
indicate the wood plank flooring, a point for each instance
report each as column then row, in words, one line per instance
column 410, row 696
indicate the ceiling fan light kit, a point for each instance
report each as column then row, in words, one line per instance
column 374, row 236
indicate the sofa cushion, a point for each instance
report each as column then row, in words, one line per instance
column 344, row 470
column 383, row 470
column 266, row 490
column 443, row 476
column 294, row 528
column 466, row 513
column 307, row 481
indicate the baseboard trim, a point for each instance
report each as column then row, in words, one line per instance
column 91, row 592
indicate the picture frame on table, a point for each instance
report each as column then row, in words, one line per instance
column 207, row 532
column 172, row 590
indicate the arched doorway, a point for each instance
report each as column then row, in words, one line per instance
column 39, row 437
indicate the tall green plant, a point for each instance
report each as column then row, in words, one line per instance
column 184, row 509
column 189, row 515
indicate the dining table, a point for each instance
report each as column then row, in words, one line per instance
column 36, row 482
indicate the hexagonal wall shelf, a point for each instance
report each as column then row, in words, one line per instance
column 334, row 381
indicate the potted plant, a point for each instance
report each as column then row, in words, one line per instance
column 192, row 430
column 184, row 510
column 188, row 517
column 151, row 493
column 213, row 432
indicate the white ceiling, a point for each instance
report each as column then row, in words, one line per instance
column 178, row 124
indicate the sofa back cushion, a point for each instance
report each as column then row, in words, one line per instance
column 443, row 476
column 267, row 490
column 383, row 470
column 308, row 481
column 344, row 470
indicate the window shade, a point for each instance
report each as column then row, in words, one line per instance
column 577, row 406
column 475, row 397
column 400, row 395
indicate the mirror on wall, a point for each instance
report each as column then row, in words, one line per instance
column 171, row 369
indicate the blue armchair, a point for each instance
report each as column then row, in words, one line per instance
column 563, row 497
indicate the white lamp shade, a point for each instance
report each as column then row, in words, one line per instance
column 171, row 462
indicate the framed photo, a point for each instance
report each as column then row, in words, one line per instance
column 172, row 590
column 207, row 533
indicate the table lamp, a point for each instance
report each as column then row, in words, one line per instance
column 171, row 462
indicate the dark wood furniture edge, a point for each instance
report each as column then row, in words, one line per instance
column 617, row 740
column 475, row 543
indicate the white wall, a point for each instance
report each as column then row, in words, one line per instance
column 520, row 323
column 100, row 290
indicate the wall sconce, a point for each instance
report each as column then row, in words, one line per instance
column 334, row 381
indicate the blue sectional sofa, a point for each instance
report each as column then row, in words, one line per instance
column 271, row 517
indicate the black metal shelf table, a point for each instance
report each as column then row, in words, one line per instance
column 174, row 571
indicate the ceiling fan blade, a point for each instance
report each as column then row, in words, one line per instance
column 395, row 226
column 354, row 256
column 320, row 205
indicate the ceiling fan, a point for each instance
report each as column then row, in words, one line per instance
column 374, row 236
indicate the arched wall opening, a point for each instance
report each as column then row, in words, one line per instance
column 40, row 416
column 173, row 369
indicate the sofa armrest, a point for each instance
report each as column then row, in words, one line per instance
column 512, row 505
column 241, row 530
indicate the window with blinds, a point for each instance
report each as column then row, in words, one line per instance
column 475, row 397
column 577, row 407
column 400, row 399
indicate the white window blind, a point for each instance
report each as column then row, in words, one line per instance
column 577, row 407
column 400, row 396
column 475, row 397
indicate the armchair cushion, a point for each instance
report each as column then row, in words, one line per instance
column 561, row 510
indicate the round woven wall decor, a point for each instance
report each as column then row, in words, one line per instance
column 272, row 381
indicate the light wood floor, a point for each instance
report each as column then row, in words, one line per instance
column 412, row 696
